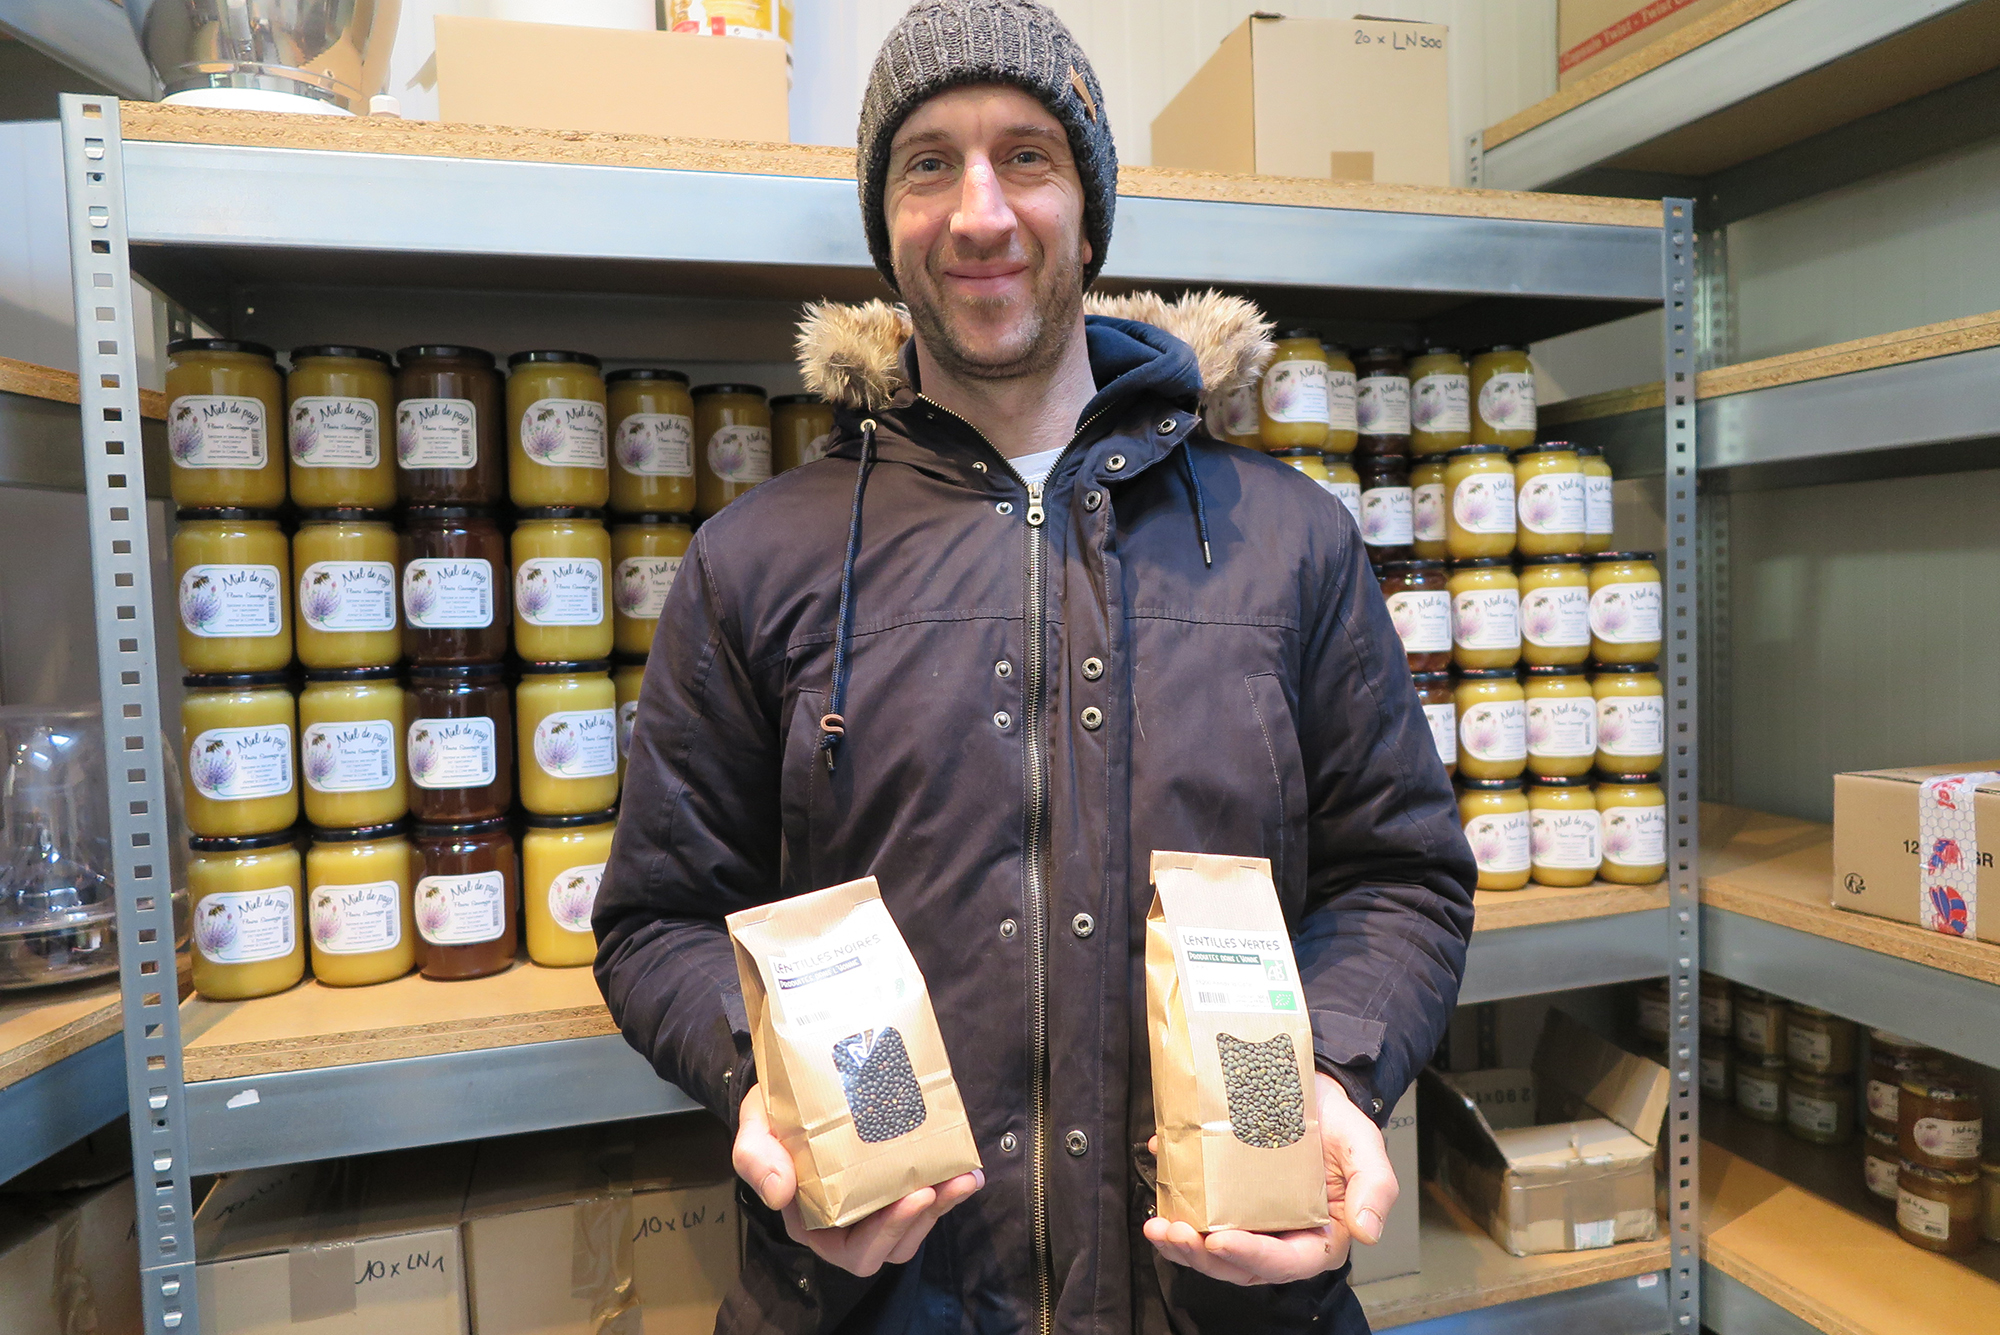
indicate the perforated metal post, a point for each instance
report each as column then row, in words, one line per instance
column 128, row 686
column 1679, row 670
column 1475, row 157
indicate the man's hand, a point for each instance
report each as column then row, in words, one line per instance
column 1360, row 1189
column 889, row 1236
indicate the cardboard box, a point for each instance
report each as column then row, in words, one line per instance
column 1591, row 34
column 553, row 76
column 1538, row 1170
column 1880, row 850
column 1397, row 1252
column 69, row 1262
column 563, row 1227
column 1313, row 97
column 343, row 1247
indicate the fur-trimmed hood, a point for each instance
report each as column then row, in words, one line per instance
column 850, row 355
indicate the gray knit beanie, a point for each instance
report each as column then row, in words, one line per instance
column 942, row 44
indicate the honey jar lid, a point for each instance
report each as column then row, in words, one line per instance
column 1544, row 447
column 1560, row 781
column 581, row 665
column 559, row 512
column 1412, row 563
column 1290, row 452
column 462, row 671
column 655, row 517
column 1440, row 352
column 1483, row 563
column 1585, row 447
column 1559, row 559
column 422, row 513
column 340, row 350
column 355, row 834
column 1475, row 449
column 1629, row 779
column 1611, row 558
column 196, row 681
column 344, row 513
column 1628, row 667
column 1556, row 670
column 572, row 822
column 1769, row 1061
column 1298, row 331
column 645, row 373
column 190, row 512
column 1939, row 1083
column 700, row 390
column 1430, row 678
column 798, row 400
column 240, row 843
column 1488, row 785
column 1943, row 1177
column 1485, row 674
column 555, row 355
column 180, row 345
column 452, row 351
column 351, row 674
column 443, row 828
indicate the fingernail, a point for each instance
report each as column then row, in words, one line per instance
column 769, row 1191
column 1368, row 1226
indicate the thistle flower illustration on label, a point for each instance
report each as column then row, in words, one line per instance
column 201, row 602
column 246, row 926
column 740, row 454
column 560, row 591
column 1495, row 730
column 437, row 433
column 462, row 910
column 321, row 758
column 419, row 593
column 231, row 601
column 433, row 910
column 423, row 753
column 656, row 444
column 184, row 434
column 564, row 433
column 1635, row 836
column 305, row 434
column 214, row 765
column 216, row 431
column 453, row 752
column 215, row 928
column 334, row 431
column 327, row 920
column 228, row 764
column 1538, row 726
column 542, row 435
column 1438, row 403
column 635, row 445
column 406, row 436
column 1295, row 391
column 442, row 593
column 1500, row 843
column 337, row 596
column 532, row 593
column 572, row 896
column 578, row 744
column 319, row 597
column 1626, row 613
column 1507, row 401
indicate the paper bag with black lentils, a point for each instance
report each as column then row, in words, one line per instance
column 848, row 1053
column 1232, row 1049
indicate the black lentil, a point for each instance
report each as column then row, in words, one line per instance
column 881, row 1087
column 1267, row 1106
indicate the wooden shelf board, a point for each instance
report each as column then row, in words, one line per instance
column 1794, row 1222
column 39, row 1029
column 160, row 123
column 1464, row 1269
column 1496, row 910
column 1781, row 871
column 46, row 382
column 313, row 1025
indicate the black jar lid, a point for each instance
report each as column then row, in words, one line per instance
column 1337, row 457
column 1440, row 352
column 1385, row 352
column 180, row 345
column 354, row 834
column 1484, row 563
column 646, row 373
column 559, row 512
column 1505, row 347
column 434, row 513
column 556, row 355
column 1651, row 776
column 572, row 822
column 454, row 351
column 445, row 829
column 457, row 671
column 1559, row 780
column 798, row 400
column 1297, row 331
column 241, row 843
column 1485, row 674
column 1585, row 447
column 196, row 681
column 347, row 513
column 1408, row 564
column 351, row 674
column 583, row 665
column 1607, row 557
column 1489, row 785
column 1544, row 447
column 191, row 512
column 1561, row 559
column 1295, row 452
column 1468, row 450
column 1626, row 667
column 655, row 517
column 700, row 390
column 1429, row 678
column 340, row 350
column 1556, row 669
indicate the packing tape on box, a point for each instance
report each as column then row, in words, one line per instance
column 1948, row 866
column 600, row 1263
column 321, row 1261
column 70, row 1296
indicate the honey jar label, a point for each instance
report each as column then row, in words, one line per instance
column 1500, row 843
column 564, row 433
column 740, row 454
column 437, row 433
column 1925, row 1218
column 1654, row 1014
column 1443, row 720
column 338, row 596
column 350, row 757
column 1486, row 619
column 1715, row 1076
column 334, row 432
column 447, row 593
column 1716, row 1016
column 1239, row 411
column 643, row 584
column 1637, row 837
column 1809, row 1048
column 1507, row 401
column 1568, row 840
column 1596, row 504
column 1820, row 1116
column 1552, row 503
column 1631, row 725
column 1341, row 408
column 1382, row 405
column 573, row 894
column 247, row 926
column 1880, row 1174
column 217, row 431
column 238, row 764
column 1757, row 1093
column 1427, row 512
column 1484, row 503
column 817, row 447
column 1560, row 726
column 656, row 444
column 1385, row 517
column 1556, row 616
column 1349, row 495
column 357, row 919
column 1626, row 613
column 1441, row 402
column 560, row 591
column 1883, row 1099
column 461, row 910
column 1294, row 391
column 1495, row 730
column 1753, row 1030
column 453, row 753
column 1942, row 1139
column 1422, row 619
column 628, row 719
column 221, row 602
column 578, row 743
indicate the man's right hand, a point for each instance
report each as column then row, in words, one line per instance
column 889, row 1236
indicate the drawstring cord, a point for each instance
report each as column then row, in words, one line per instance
column 1200, row 505
column 832, row 727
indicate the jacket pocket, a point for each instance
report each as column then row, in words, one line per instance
column 802, row 795
column 1288, row 781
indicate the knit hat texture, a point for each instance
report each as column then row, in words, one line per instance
column 944, row 44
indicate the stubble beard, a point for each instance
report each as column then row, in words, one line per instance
column 1041, row 339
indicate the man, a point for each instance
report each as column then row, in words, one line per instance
column 1026, row 624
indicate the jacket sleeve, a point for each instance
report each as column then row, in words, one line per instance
column 1388, row 909
column 697, row 839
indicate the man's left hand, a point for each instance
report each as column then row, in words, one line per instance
column 1360, row 1189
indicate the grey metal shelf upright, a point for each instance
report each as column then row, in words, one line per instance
column 290, row 245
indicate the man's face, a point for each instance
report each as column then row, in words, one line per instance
column 985, row 214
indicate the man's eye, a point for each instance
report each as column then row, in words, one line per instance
column 1029, row 157
column 927, row 165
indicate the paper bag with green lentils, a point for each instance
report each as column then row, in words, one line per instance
column 849, row 1057
column 1233, row 1092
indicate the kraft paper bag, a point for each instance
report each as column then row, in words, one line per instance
column 853, row 1068
column 1233, row 1088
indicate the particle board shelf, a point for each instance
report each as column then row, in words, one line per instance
column 1502, row 910
column 39, row 1029
column 1794, row 1223
column 62, row 1069
column 46, row 382
column 1465, row 1270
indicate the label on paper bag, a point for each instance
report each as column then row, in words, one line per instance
column 849, row 971
column 357, row 757
column 337, row 596
column 442, row 593
column 1486, row 619
column 1423, row 620
column 336, row 432
column 357, row 919
column 453, row 753
column 1443, row 720
column 1552, row 503
column 578, row 743
column 1294, row 391
column 1385, row 516
column 1441, row 402
column 1500, row 843
column 1239, row 971
column 1484, row 503
column 643, row 585
column 564, row 433
column 1341, row 406
column 560, row 591
column 237, row 764
column 1556, row 616
column 656, row 444
column 1635, row 836
column 740, row 454
column 573, row 894
column 220, row 602
column 1507, row 401
column 1494, row 730
column 461, row 910
column 1626, row 613
column 217, row 431
column 247, row 926
column 1382, row 405
column 437, row 433
column 1948, row 846
column 1567, row 839
column 1562, row 726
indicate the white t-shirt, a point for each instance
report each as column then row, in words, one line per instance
column 1035, row 468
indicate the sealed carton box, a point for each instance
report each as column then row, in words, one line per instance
column 69, row 1262
column 343, row 1247
column 1355, row 99
column 1559, row 1157
column 566, row 1229
column 553, row 76
column 1396, row 1253
column 1914, row 844
column 1591, row 34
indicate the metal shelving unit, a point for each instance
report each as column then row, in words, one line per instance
column 60, row 1104
column 280, row 243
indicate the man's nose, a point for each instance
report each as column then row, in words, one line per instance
column 984, row 218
